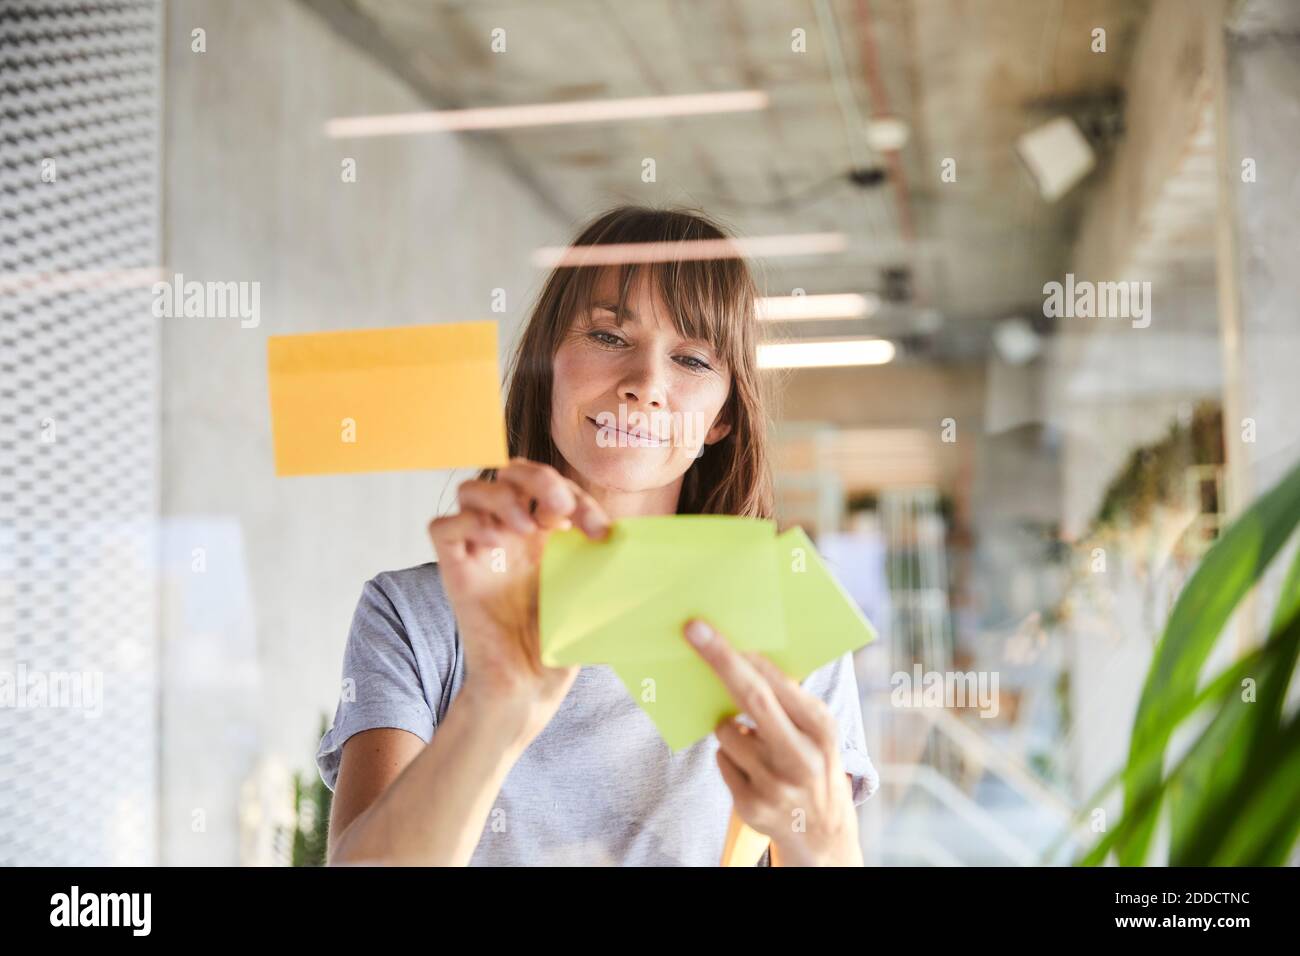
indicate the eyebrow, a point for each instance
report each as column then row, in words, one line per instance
column 613, row 307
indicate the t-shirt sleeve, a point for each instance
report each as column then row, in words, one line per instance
column 837, row 684
column 381, row 685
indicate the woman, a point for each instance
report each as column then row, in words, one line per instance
column 453, row 744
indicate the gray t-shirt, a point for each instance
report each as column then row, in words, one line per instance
column 598, row 786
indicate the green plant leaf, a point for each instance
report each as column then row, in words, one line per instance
column 1264, row 826
column 1206, row 803
column 1226, row 682
column 1146, row 804
column 1227, row 572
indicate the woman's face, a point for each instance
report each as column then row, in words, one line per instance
column 633, row 406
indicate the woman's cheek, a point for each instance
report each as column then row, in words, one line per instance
column 576, row 366
column 703, row 400
column 569, row 372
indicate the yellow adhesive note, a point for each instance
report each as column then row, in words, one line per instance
column 625, row 598
column 395, row 399
column 624, row 601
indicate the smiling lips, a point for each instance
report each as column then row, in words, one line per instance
column 634, row 438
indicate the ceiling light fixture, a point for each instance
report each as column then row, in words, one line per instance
column 1016, row 341
column 825, row 353
column 619, row 253
column 793, row 308
column 1057, row 155
column 887, row 134
column 545, row 114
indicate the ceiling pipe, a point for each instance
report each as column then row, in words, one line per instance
column 880, row 110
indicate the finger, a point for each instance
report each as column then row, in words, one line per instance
column 749, row 689
column 500, row 499
column 543, row 484
column 456, row 537
column 810, row 714
column 742, row 792
column 559, row 499
column 588, row 514
column 747, row 750
column 488, row 532
column 447, row 535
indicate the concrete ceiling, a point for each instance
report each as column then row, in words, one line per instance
column 968, row 76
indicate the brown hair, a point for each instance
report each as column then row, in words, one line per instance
column 709, row 299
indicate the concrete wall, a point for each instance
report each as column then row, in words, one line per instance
column 263, row 573
column 1263, row 125
column 1167, row 92
column 1260, row 133
column 1112, row 387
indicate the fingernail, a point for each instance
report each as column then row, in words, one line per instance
column 699, row 633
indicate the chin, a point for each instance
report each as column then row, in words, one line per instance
column 625, row 469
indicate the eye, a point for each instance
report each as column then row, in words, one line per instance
column 606, row 338
column 699, row 366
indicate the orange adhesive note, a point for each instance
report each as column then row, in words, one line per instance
column 743, row 847
column 412, row 397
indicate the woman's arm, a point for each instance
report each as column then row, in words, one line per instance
column 399, row 801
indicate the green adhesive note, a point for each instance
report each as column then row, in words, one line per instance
column 625, row 600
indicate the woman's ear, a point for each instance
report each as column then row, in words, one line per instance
column 723, row 423
column 720, row 430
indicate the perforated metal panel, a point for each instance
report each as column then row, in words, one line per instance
column 79, row 120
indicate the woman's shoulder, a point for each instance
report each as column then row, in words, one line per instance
column 419, row 580
column 401, row 662
column 418, row 600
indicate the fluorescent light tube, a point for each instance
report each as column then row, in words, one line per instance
column 545, row 114
column 825, row 353
column 618, row 253
column 847, row 305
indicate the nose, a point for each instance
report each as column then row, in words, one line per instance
column 644, row 382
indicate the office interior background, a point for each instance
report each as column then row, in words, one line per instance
column 1009, row 490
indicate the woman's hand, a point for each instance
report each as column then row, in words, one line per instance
column 785, row 777
column 489, row 554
